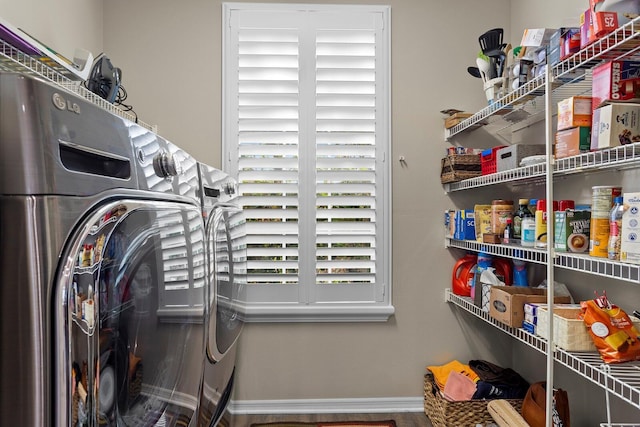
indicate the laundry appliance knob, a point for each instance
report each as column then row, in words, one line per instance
column 229, row 189
column 166, row 165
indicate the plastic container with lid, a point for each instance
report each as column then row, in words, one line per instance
column 501, row 210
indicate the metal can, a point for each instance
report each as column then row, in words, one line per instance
column 601, row 202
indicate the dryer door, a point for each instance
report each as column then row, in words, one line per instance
column 226, row 240
column 130, row 313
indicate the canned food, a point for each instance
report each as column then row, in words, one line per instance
column 501, row 210
column 601, row 203
column 602, row 200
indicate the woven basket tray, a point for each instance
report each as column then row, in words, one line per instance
column 457, row 167
column 444, row 413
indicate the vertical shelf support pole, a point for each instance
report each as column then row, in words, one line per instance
column 548, row 99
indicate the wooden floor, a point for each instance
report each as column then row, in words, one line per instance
column 405, row 419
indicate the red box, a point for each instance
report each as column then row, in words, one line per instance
column 603, row 23
column 615, row 81
column 489, row 160
column 569, row 42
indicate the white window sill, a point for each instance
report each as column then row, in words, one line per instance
column 280, row 313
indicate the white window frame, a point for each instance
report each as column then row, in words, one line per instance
column 267, row 303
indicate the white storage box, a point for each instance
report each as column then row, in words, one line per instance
column 508, row 158
column 630, row 246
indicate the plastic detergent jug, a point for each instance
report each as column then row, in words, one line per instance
column 463, row 275
column 504, row 268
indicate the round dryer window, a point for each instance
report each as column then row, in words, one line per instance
column 132, row 305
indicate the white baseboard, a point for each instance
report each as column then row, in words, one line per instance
column 327, row 406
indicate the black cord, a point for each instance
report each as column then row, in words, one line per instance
column 120, row 97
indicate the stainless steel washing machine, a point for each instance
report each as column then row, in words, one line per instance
column 104, row 273
column 226, row 257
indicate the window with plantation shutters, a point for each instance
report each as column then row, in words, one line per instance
column 306, row 106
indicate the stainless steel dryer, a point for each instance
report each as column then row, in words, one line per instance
column 103, row 266
column 226, row 256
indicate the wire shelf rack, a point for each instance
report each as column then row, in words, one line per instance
column 572, row 75
column 14, row 60
column 570, row 261
column 621, row 380
column 622, row 157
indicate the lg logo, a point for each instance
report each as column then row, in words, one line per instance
column 64, row 104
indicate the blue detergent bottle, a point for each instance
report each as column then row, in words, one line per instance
column 519, row 271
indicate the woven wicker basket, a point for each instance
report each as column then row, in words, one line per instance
column 456, row 167
column 445, row 413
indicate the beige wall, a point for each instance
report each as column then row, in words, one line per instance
column 545, row 14
column 63, row 25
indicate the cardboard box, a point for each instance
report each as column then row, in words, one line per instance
column 626, row 11
column 630, row 245
column 455, row 118
column 585, row 28
column 531, row 309
column 465, row 225
column 571, row 231
column 507, row 302
column 615, row 124
column 615, row 81
column 595, row 25
column 574, row 111
column 483, row 297
column 571, row 142
column 603, row 23
column 529, row 327
column 536, row 37
column 569, row 42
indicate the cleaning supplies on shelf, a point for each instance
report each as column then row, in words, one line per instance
column 520, row 273
column 462, row 277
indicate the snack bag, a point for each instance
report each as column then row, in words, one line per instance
column 612, row 331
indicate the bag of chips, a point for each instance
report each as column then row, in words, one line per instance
column 612, row 331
